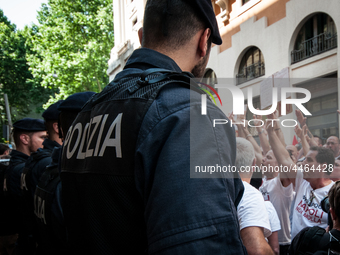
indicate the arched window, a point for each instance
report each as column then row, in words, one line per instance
column 317, row 35
column 210, row 77
column 251, row 66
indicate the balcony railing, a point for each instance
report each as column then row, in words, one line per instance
column 250, row 72
column 316, row 45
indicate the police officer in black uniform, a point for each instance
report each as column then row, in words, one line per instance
column 38, row 161
column 36, row 165
column 47, row 202
column 8, row 236
column 128, row 156
column 28, row 135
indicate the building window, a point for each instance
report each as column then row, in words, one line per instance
column 252, row 66
column 317, row 35
column 249, row 115
column 245, row 1
column 210, row 78
column 324, row 119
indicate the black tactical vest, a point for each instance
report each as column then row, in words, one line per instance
column 52, row 232
column 99, row 152
column 5, row 203
column 27, row 171
column 13, row 196
column 28, row 209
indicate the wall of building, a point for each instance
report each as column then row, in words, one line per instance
column 128, row 19
column 276, row 40
column 270, row 25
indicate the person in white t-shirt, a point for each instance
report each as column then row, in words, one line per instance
column 251, row 211
column 281, row 197
column 311, row 186
column 275, row 226
column 273, row 189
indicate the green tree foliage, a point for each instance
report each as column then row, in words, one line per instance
column 15, row 78
column 73, row 42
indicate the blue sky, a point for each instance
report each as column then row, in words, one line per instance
column 21, row 12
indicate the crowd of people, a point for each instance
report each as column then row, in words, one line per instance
column 109, row 173
column 294, row 180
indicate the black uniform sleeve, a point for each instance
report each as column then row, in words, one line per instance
column 185, row 215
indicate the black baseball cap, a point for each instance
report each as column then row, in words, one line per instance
column 30, row 125
column 205, row 11
column 76, row 101
column 52, row 112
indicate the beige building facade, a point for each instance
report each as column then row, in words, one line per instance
column 262, row 39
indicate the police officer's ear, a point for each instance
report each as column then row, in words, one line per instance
column 203, row 42
column 55, row 127
column 140, row 35
column 25, row 138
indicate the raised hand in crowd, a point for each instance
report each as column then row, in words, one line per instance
column 261, row 131
column 282, row 155
column 277, row 127
column 300, row 118
column 310, row 139
column 302, row 133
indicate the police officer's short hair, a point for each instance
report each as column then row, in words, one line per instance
column 49, row 126
column 17, row 133
column 169, row 24
column 70, row 108
column 65, row 120
column 51, row 115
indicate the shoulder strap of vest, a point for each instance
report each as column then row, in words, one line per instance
column 8, row 173
column 40, row 154
column 183, row 78
column 30, row 164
